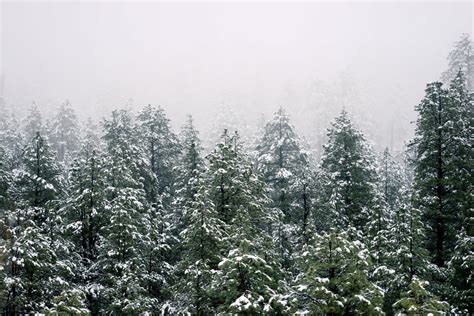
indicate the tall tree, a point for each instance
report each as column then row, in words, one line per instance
column 162, row 148
column 285, row 167
column 347, row 178
column 85, row 210
column 334, row 279
column 461, row 58
column 64, row 131
column 203, row 241
column 39, row 263
column 122, row 257
column 33, row 123
column 249, row 272
column 437, row 172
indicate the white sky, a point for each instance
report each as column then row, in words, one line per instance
column 191, row 57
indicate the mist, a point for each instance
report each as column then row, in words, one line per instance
column 314, row 58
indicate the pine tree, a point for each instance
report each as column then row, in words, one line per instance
column 202, row 240
column 461, row 58
column 419, row 301
column 161, row 147
column 33, row 123
column 191, row 162
column 283, row 163
column 462, row 276
column 64, row 131
column 39, row 263
column 285, row 168
column 249, row 278
column 441, row 174
column 84, row 215
column 407, row 256
column 334, row 279
column 188, row 170
column 348, row 178
column 122, row 257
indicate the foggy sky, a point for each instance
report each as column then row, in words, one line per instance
column 193, row 57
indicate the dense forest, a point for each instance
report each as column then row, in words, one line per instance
column 127, row 217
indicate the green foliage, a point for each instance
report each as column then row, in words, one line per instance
column 334, row 278
column 419, row 301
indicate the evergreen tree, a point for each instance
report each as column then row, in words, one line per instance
column 347, row 179
column 334, row 278
column 33, row 123
column 461, row 58
column 121, row 259
column 188, row 170
column 161, row 148
column 64, row 131
column 38, row 259
column 84, row 210
column 419, row 301
column 462, row 276
column 249, row 276
column 284, row 165
column 202, row 240
column 190, row 158
column 443, row 157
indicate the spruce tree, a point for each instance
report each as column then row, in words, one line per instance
column 461, row 58
column 203, row 242
column 418, row 300
column 334, row 279
column 441, row 175
column 250, row 274
column 122, row 257
column 347, row 178
column 64, row 131
column 161, row 148
column 38, row 258
column 285, row 168
column 85, row 210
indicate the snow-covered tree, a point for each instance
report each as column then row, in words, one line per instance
column 64, row 131
column 161, row 147
column 419, row 301
column 122, row 259
column 461, row 58
column 347, row 178
column 203, row 242
column 249, row 274
column 39, row 264
column 84, row 211
column 284, row 165
column 33, row 123
column 334, row 278
column 438, row 170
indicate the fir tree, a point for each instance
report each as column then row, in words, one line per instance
column 64, row 131
column 202, row 240
column 121, row 258
column 84, row 210
column 161, row 147
column 419, row 301
column 348, row 178
column 38, row 258
column 334, row 278
column 461, row 58
column 33, row 123
column 441, row 173
column 249, row 276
